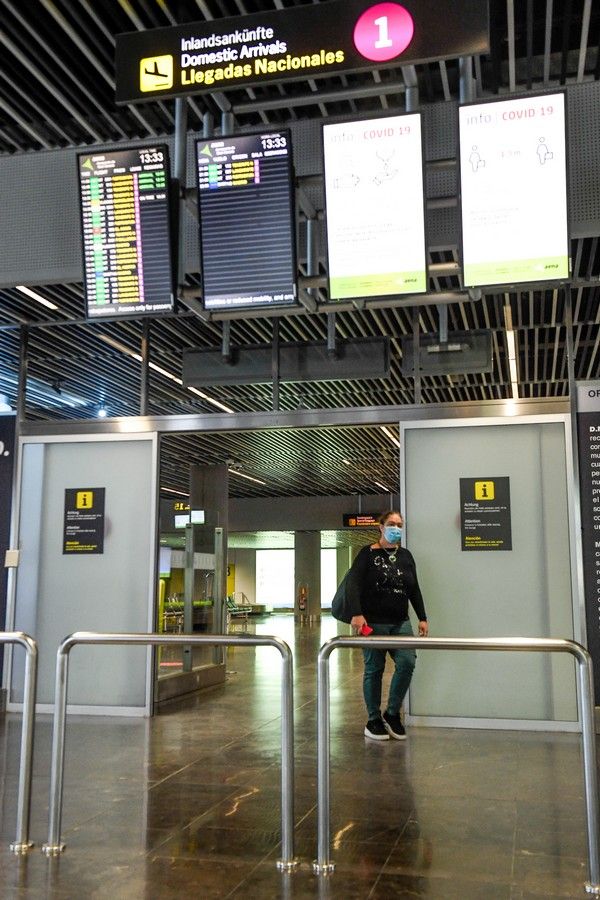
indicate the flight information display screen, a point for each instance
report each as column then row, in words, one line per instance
column 513, row 175
column 125, row 217
column 375, row 207
column 247, row 225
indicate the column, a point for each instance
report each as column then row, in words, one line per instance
column 307, row 574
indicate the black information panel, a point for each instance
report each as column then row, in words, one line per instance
column 126, row 235
column 84, row 520
column 588, row 432
column 246, row 221
column 485, row 514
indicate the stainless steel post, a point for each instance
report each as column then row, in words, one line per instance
column 22, row 844
column 219, row 592
column 54, row 847
column 323, row 865
column 188, row 593
column 585, row 684
column 287, row 861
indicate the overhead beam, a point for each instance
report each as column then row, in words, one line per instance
column 300, row 418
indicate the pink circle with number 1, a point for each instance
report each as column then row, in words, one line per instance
column 383, row 31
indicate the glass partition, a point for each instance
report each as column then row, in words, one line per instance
column 190, row 596
column 525, row 591
column 101, row 580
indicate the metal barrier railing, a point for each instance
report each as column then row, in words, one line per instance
column 22, row 843
column 323, row 864
column 54, row 846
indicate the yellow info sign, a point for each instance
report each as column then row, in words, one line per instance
column 484, row 490
column 156, row 73
column 485, row 518
column 84, row 520
column 84, row 500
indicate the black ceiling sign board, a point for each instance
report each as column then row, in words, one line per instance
column 360, row 520
column 485, row 513
column 588, row 432
column 464, row 351
column 84, row 520
column 300, row 42
column 298, row 362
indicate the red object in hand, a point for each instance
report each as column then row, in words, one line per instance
column 366, row 630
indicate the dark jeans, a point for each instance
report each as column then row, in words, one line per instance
column 404, row 661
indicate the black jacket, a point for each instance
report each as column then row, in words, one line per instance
column 381, row 583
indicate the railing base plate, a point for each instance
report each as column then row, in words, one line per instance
column 592, row 888
column 53, row 849
column 21, row 848
column 323, row 868
column 287, row 865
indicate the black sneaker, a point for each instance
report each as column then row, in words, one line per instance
column 376, row 730
column 394, row 727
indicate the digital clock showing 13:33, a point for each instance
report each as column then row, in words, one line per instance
column 151, row 156
column 273, row 143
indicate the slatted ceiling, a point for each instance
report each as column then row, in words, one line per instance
column 312, row 460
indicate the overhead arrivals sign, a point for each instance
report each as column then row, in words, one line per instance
column 328, row 38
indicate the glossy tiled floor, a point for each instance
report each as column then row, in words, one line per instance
column 187, row 805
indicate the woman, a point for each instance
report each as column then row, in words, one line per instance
column 382, row 581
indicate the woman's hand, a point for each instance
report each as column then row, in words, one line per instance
column 357, row 622
column 423, row 629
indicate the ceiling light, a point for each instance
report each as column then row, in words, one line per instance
column 164, row 372
column 391, row 436
column 383, row 487
column 512, row 352
column 102, row 412
column 210, row 400
column 249, row 477
column 120, row 347
column 37, row 297
column 173, row 491
column 123, row 349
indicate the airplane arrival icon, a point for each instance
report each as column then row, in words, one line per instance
column 156, row 73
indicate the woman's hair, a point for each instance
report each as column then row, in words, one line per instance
column 385, row 515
